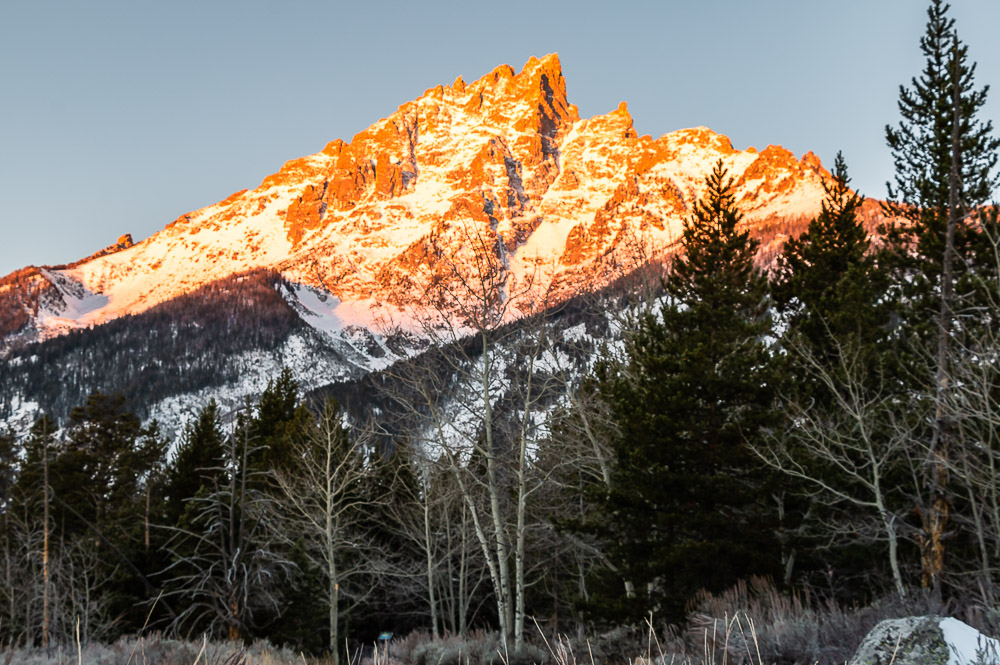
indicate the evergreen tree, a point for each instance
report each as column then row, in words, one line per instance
column 102, row 481
column 108, row 456
column 31, row 500
column 228, row 574
column 684, row 510
column 8, row 468
column 829, row 289
column 922, row 149
column 279, row 417
column 27, row 490
column 945, row 160
column 196, row 465
column 103, row 498
column 826, row 281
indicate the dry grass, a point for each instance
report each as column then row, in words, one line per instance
column 154, row 650
column 752, row 623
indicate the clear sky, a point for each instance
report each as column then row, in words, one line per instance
column 118, row 117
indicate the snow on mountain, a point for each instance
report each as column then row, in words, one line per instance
column 368, row 223
column 358, row 231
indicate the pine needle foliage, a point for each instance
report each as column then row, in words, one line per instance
column 921, row 146
column 683, row 509
column 826, row 281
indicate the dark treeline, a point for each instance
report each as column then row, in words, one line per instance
column 831, row 425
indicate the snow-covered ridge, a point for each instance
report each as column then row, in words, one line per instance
column 503, row 161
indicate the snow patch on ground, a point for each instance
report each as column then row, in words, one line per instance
column 320, row 309
column 23, row 416
column 966, row 645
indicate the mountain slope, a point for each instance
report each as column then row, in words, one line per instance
column 350, row 239
column 506, row 159
column 224, row 340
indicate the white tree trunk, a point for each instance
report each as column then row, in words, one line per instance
column 499, row 532
column 429, row 555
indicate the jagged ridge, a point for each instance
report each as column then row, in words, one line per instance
column 506, row 159
column 352, row 237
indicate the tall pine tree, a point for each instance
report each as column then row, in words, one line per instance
column 196, row 467
column 945, row 160
column 684, row 509
column 278, row 418
column 830, row 291
column 923, row 145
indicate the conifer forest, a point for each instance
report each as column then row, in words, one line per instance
column 813, row 441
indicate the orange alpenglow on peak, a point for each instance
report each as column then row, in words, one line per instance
column 505, row 157
column 701, row 138
column 539, row 81
column 775, row 156
column 810, row 160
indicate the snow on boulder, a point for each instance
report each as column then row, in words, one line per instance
column 926, row 640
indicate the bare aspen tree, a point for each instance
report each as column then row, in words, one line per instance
column 25, row 536
column 8, row 569
column 464, row 569
column 8, row 476
column 466, row 313
column 420, row 516
column 529, row 387
column 45, row 542
column 857, row 441
column 478, row 296
column 972, row 410
column 974, row 466
column 431, row 520
column 429, row 557
column 483, row 395
column 577, row 434
column 82, row 593
column 325, row 502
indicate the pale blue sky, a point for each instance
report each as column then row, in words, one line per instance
column 118, row 117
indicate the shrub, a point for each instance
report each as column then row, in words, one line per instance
column 477, row 648
column 153, row 649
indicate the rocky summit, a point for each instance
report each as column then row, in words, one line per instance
column 504, row 164
column 328, row 266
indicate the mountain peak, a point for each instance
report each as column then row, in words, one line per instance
column 371, row 222
column 545, row 72
column 543, row 77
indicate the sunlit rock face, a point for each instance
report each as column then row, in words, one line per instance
column 503, row 165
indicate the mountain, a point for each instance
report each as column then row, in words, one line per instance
column 351, row 237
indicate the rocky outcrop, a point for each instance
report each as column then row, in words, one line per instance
column 502, row 164
column 926, row 640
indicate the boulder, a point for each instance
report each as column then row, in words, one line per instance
column 926, row 640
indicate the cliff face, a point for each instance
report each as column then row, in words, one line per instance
column 502, row 166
